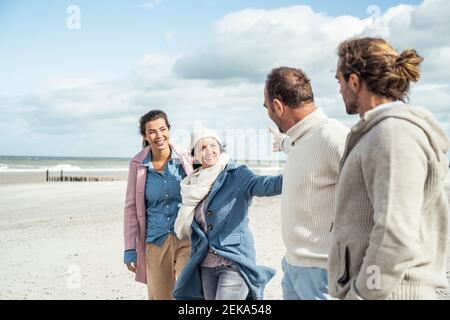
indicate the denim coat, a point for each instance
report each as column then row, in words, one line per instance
column 226, row 213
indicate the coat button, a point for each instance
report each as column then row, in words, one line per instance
column 210, row 227
column 210, row 213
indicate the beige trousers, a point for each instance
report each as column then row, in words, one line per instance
column 164, row 265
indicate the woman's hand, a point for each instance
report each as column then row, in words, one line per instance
column 131, row 266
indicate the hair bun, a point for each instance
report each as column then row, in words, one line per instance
column 408, row 64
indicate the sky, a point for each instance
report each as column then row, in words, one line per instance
column 75, row 76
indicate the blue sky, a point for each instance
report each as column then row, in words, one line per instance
column 114, row 34
column 81, row 92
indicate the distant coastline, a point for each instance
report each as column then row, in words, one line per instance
column 90, row 164
column 32, row 169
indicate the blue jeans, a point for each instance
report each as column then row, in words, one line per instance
column 223, row 283
column 301, row 283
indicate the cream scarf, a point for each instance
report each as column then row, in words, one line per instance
column 194, row 188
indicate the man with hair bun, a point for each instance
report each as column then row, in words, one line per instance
column 390, row 232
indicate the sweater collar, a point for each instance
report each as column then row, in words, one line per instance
column 373, row 113
column 304, row 126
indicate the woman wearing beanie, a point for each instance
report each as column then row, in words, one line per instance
column 214, row 215
column 152, row 251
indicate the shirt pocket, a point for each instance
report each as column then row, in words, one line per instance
column 231, row 239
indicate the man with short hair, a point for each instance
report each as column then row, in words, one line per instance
column 390, row 232
column 315, row 145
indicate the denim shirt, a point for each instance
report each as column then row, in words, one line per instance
column 162, row 199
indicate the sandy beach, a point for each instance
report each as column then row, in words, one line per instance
column 64, row 241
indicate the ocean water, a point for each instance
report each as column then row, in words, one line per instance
column 29, row 164
column 68, row 164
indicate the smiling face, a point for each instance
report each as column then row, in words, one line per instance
column 157, row 134
column 207, row 151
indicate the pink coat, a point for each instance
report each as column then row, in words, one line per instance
column 135, row 211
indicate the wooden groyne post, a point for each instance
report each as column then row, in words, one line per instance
column 62, row 178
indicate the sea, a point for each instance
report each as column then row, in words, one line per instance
column 30, row 164
column 67, row 164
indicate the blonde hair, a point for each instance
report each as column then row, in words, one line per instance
column 384, row 71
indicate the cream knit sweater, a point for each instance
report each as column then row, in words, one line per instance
column 390, row 234
column 316, row 146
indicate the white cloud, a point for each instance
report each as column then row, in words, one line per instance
column 251, row 42
column 60, row 83
column 169, row 36
column 221, row 84
column 150, row 4
column 436, row 65
column 435, row 97
column 153, row 71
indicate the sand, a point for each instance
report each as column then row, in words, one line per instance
column 65, row 241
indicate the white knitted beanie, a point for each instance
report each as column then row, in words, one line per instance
column 204, row 133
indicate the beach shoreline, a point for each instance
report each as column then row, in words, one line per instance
column 21, row 177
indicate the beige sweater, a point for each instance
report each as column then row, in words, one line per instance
column 390, row 233
column 309, row 180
